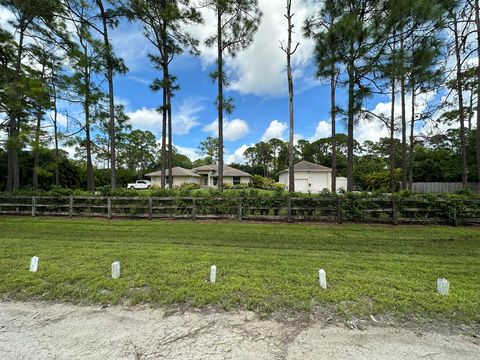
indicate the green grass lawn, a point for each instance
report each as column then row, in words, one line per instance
column 264, row 267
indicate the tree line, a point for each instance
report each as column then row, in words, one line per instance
column 57, row 52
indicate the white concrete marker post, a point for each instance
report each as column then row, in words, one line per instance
column 116, row 270
column 213, row 274
column 34, row 264
column 322, row 278
column 443, row 286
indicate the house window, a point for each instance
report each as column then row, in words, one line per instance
column 236, row 180
column 215, row 181
column 205, row 181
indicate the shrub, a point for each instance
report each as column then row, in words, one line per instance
column 188, row 186
column 260, row 182
column 241, row 186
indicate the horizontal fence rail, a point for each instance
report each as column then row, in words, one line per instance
column 291, row 209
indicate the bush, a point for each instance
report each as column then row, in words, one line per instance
column 60, row 191
column 260, row 182
column 241, row 186
column 188, row 186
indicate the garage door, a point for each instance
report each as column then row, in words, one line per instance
column 301, row 185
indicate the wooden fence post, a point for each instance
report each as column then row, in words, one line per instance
column 34, row 203
column 289, row 209
column 150, row 208
column 339, row 211
column 455, row 216
column 240, row 215
column 194, row 209
column 394, row 212
column 109, row 207
column 70, row 209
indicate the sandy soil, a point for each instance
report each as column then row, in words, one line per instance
column 57, row 331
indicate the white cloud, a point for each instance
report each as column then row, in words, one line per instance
column 62, row 120
column 5, row 17
column 260, row 69
column 297, row 137
column 373, row 129
column 323, row 130
column 186, row 117
column 276, row 129
column 368, row 129
column 131, row 45
column 146, row 119
column 122, row 101
column 140, row 80
column 191, row 153
column 237, row 156
column 232, row 129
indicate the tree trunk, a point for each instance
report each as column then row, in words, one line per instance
column 13, row 176
column 36, row 154
column 463, row 152
column 111, row 104
column 471, row 111
column 90, row 179
column 164, row 136
column 393, row 185
column 291, row 160
column 36, row 147
column 334, row 133
column 350, row 140
column 477, row 22
column 170, row 144
column 404, row 118
column 412, row 140
column 220, row 98
column 55, row 133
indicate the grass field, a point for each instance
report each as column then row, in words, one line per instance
column 264, row 267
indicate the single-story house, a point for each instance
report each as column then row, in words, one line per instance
column 310, row 177
column 209, row 175
column 205, row 176
column 180, row 176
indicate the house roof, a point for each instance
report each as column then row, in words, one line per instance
column 176, row 171
column 227, row 170
column 308, row 166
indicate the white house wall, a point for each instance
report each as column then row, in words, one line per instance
column 306, row 181
column 179, row 180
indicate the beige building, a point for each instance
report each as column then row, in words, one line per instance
column 205, row 176
column 209, row 175
column 310, row 177
column 180, row 176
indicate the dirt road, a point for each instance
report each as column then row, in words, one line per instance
column 54, row 331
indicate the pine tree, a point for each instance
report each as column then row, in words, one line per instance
column 33, row 19
column 237, row 21
column 289, row 49
column 322, row 28
column 165, row 27
column 359, row 31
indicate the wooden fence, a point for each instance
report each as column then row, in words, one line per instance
column 291, row 209
column 441, row 187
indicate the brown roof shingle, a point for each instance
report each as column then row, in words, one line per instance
column 176, row 171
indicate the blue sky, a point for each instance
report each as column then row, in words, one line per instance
column 258, row 87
